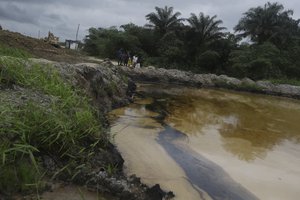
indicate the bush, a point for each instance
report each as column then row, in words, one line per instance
column 208, row 61
column 259, row 68
column 285, row 81
column 257, row 61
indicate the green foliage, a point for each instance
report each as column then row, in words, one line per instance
column 111, row 169
column 205, row 29
column 208, row 61
column 164, row 20
column 105, row 42
column 66, row 127
column 14, row 71
column 250, row 87
column 256, row 61
column 156, row 61
column 268, row 23
column 171, row 49
column 8, row 51
column 202, row 46
column 285, row 81
column 259, row 68
column 203, row 34
column 18, row 177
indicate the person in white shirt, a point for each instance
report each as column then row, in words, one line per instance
column 134, row 61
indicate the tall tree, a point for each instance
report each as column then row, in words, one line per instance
column 105, row 42
column 205, row 28
column 164, row 20
column 268, row 23
column 204, row 31
column 145, row 36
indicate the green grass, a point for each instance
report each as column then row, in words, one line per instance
column 19, row 176
column 67, row 127
column 286, row 81
column 13, row 52
column 250, row 87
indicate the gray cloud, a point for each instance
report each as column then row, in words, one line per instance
column 16, row 13
column 63, row 16
column 54, row 16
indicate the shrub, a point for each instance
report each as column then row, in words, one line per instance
column 259, row 68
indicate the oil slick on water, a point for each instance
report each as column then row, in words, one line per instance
column 211, row 144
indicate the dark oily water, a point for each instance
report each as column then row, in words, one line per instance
column 202, row 172
column 211, row 144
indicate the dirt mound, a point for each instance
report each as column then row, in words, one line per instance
column 39, row 48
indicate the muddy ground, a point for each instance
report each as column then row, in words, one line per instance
column 39, row 48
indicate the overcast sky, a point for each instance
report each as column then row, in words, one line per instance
column 63, row 16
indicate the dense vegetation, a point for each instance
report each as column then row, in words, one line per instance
column 200, row 44
column 41, row 115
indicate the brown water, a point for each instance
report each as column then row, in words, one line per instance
column 211, row 144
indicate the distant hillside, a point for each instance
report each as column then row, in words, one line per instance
column 39, row 48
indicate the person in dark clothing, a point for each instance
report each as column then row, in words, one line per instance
column 125, row 58
column 139, row 60
column 120, row 56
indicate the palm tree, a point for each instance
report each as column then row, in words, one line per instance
column 205, row 28
column 164, row 20
column 270, row 22
column 204, row 31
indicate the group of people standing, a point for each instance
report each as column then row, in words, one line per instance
column 125, row 58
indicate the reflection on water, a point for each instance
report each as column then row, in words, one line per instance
column 260, row 122
column 254, row 138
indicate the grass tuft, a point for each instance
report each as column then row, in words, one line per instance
column 13, row 52
column 67, row 127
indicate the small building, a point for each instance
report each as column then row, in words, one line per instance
column 72, row 44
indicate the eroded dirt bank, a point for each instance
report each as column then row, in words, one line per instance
column 109, row 89
column 106, row 88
